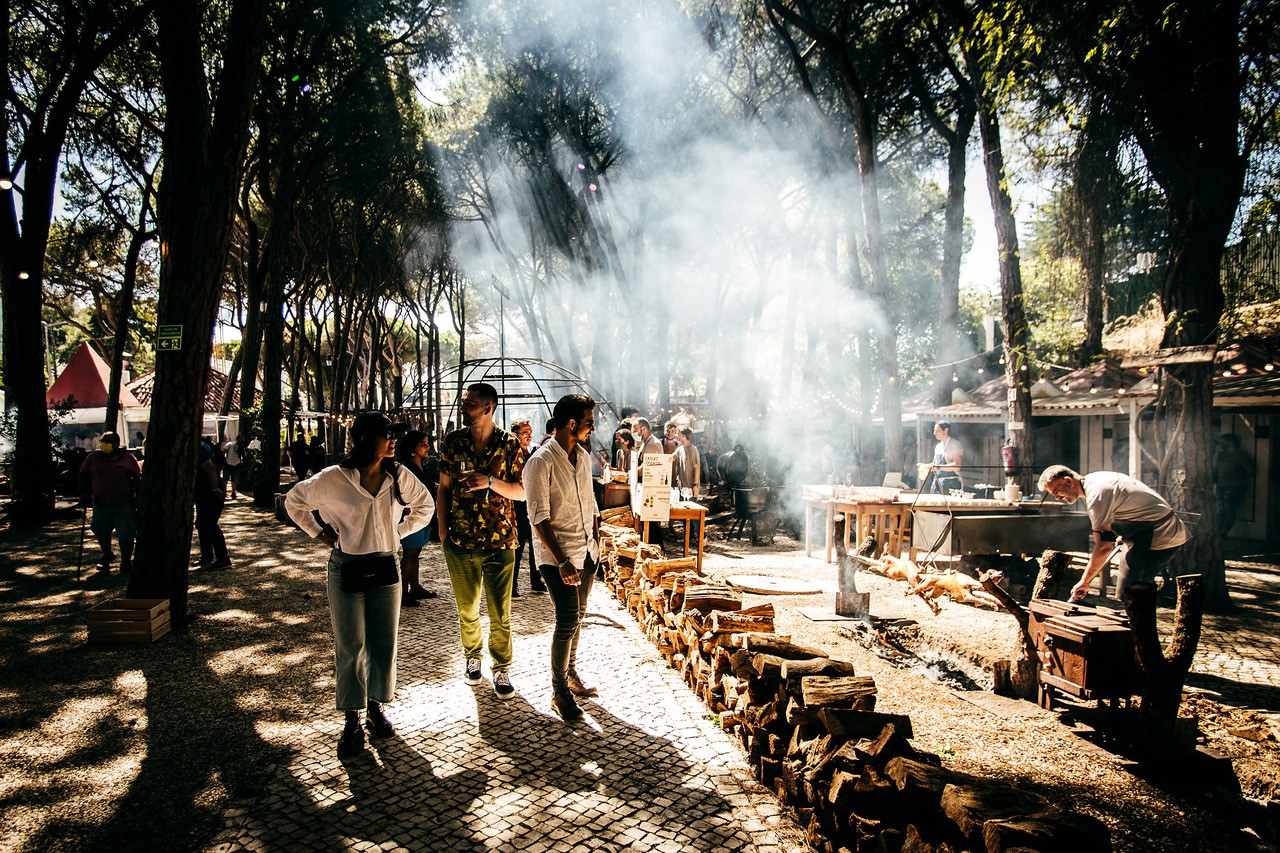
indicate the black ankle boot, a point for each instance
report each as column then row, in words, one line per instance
column 379, row 725
column 352, row 740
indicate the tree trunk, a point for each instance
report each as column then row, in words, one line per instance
column 1163, row 675
column 1017, row 352
column 952, row 254
column 278, row 239
column 42, row 134
column 204, row 150
column 120, row 339
column 1095, row 175
column 1190, row 66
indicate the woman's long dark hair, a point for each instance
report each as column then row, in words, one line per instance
column 361, row 455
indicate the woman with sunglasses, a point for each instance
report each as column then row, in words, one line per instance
column 362, row 503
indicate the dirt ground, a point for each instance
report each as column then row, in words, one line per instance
column 103, row 747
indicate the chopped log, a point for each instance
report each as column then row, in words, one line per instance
column 766, row 770
column 655, row 569
column 737, row 623
column 821, row 747
column 971, row 806
column 799, row 715
column 791, row 780
column 840, row 793
column 773, row 644
column 740, row 663
column 816, row 666
column 712, row 597
column 758, row 610
column 767, row 665
column 922, row 784
column 1053, row 830
column 862, row 724
column 889, row 744
column 821, row 691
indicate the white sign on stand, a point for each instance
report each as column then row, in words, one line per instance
column 653, row 493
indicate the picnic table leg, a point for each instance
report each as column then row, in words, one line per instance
column 808, row 529
column 831, row 528
column 702, row 528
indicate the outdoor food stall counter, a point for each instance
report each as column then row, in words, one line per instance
column 943, row 525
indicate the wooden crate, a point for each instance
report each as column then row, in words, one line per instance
column 128, row 620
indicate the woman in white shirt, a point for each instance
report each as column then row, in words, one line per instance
column 362, row 500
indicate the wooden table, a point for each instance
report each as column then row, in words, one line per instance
column 686, row 511
column 829, row 508
column 888, row 523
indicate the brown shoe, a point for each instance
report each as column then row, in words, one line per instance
column 577, row 688
column 565, row 706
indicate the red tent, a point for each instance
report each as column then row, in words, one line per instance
column 86, row 377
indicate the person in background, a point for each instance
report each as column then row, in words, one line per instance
column 317, row 453
column 688, row 464
column 233, row 451
column 624, row 445
column 557, row 483
column 1119, row 507
column 1232, row 471
column 523, row 430
column 948, row 458
column 300, row 457
column 108, row 480
column 670, row 437
column 414, row 449
column 648, row 444
column 480, row 468
column 371, row 503
column 210, row 501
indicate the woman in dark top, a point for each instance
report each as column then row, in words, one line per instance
column 415, row 448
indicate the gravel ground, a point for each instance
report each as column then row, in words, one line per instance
column 103, row 748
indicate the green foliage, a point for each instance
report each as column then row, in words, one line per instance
column 1053, row 291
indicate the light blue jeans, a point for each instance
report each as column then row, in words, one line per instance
column 365, row 630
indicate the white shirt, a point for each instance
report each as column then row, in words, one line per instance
column 557, row 490
column 366, row 524
column 1110, row 497
column 232, row 453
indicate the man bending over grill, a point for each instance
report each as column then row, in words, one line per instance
column 1119, row 507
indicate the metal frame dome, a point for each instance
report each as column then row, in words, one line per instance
column 522, row 383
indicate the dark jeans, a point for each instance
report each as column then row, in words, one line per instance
column 1228, row 504
column 213, row 546
column 1140, row 563
column 524, row 533
column 571, row 605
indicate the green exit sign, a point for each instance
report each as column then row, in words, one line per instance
column 168, row 338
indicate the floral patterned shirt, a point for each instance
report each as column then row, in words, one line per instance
column 482, row 520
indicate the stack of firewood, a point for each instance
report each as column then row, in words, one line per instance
column 809, row 726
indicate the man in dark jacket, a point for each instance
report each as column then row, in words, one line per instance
column 109, row 479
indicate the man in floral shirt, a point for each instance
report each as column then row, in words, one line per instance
column 480, row 468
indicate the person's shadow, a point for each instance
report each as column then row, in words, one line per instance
column 604, row 779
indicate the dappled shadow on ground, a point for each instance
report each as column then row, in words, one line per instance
column 104, row 746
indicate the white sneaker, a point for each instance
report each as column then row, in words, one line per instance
column 472, row 675
column 502, row 685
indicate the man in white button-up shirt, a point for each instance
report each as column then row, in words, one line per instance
column 562, row 510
